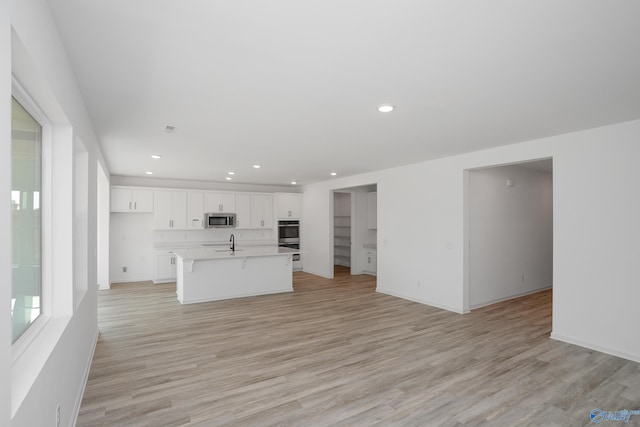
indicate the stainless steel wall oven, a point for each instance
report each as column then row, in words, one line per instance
column 289, row 237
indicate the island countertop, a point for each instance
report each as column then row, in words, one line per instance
column 218, row 252
column 215, row 273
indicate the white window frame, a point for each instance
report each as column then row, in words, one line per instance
column 46, row 297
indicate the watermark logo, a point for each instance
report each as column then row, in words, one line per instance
column 598, row 415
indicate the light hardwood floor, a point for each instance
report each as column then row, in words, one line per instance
column 335, row 352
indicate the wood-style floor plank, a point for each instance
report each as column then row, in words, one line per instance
column 335, row 352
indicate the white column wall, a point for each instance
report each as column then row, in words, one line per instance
column 596, row 230
column 596, row 235
column 103, row 195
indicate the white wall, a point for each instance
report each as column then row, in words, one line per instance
column 342, row 204
column 104, row 197
column 596, row 231
column 510, row 233
column 5, row 213
column 131, row 246
column 80, row 221
column 39, row 62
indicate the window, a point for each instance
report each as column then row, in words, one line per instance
column 26, row 219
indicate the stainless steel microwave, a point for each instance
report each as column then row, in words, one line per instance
column 219, row 220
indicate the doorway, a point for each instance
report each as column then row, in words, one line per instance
column 508, row 232
column 355, row 233
column 342, row 229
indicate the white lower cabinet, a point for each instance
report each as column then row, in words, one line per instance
column 370, row 261
column 164, row 267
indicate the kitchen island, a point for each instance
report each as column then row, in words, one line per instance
column 210, row 274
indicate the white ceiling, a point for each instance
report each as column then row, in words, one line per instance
column 294, row 85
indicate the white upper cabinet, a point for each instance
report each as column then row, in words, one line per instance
column 195, row 210
column 289, row 206
column 127, row 199
column 372, row 210
column 261, row 211
column 170, row 210
column 219, row 202
column 254, row 211
column 243, row 211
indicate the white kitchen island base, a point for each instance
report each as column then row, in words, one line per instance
column 210, row 276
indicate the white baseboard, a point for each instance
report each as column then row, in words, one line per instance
column 159, row 282
column 317, row 274
column 245, row 295
column 421, row 301
column 76, row 409
column 596, row 347
column 131, row 280
column 522, row 294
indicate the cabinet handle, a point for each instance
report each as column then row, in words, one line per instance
column 135, row 206
column 369, row 260
column 129, row 205
column 262, row 223
column 220, row 207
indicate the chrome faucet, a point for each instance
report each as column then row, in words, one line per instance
column 232, row 239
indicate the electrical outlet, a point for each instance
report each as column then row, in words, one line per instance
column 58, row 416
column 418, row 284
column 124, row 269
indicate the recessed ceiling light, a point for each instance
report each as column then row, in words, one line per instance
column 149, row 173
column 228, row 178
column 334, row 173
column 170, row 128
column 231, row 173
column 257, row 166
column 156, row 156
column 385, row 108
column 293, row 183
